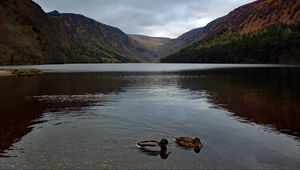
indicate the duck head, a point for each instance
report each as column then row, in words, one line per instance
column 163, row 144
column 197, row 141
column 198, row 145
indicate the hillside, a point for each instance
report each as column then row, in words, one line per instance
column 152, row 43
column 25, row 34
column 31, row 36
column 243, row 20
column 276, row 44
column 91, row 39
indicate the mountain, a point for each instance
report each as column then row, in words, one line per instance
column 275, row 44
column 89, row 35
column 24, row 32
column 247, row 19
column 152, row 43
column 31, row 36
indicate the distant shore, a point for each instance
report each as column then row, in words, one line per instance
column 20, row 72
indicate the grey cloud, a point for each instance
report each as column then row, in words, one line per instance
column 151, row 17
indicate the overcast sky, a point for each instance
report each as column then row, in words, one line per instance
column 160, row 18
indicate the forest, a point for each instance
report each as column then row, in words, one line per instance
column 276, row 44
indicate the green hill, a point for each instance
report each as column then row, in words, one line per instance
column 278, row 43
column 264, row 31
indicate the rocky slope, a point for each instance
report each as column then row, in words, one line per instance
column 245, row 19
column 30, row 36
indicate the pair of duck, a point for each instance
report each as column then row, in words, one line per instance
column 155, row 146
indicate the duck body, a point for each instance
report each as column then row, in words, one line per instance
column 188, row 142
column 153, row 148
column 150, row 146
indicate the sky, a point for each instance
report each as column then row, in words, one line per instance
column 158, row 18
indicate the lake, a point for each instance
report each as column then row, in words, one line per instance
column 90, row 116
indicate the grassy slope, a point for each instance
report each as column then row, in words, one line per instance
column 150, row 42
column 248, row 18
column 275, row 44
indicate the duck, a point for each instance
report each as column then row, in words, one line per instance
column 154, row 147
column 188, row 142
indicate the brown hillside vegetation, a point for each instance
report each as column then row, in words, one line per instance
column 30, row 36
column 151, row 43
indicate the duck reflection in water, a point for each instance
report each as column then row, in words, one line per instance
column 154, row 148
column 188, row 142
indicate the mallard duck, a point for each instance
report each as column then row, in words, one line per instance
column 153, row 145
column 154, row 148
column 189, row 142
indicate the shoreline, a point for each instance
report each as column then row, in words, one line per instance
column 5, row 73
column 20, row 72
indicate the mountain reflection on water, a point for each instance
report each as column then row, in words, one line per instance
column 268, row 97
column 24, row 100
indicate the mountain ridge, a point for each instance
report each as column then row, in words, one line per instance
column 110, row 37
column 31, row 36
column 275, row 44
column 247, row 18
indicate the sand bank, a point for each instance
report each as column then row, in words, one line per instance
column 5, row 73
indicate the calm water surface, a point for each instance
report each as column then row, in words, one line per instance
column 86, row 116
